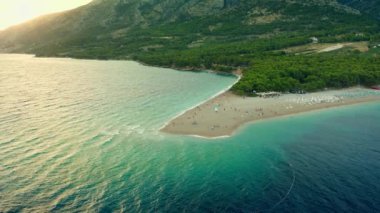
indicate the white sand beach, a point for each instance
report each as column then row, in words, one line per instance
column 224, row 114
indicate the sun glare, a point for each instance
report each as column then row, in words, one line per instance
column 17, row 11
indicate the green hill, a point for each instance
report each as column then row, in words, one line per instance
column 206, row 34
column 371, row 7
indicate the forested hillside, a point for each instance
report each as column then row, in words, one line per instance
column 371, row 7
column 220, row 35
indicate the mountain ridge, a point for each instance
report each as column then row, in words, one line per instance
column 222, row 35
column 117, row 17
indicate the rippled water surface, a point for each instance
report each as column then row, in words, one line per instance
column 79, row 135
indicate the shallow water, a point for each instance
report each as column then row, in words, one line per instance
column 80, row 135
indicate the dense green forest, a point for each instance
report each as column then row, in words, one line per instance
column 309, row 73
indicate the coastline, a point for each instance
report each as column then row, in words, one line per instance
column 236, row 73
column 213, row 125
column 182, row 113
column 225, row 113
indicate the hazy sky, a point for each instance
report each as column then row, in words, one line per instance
column 17, row 11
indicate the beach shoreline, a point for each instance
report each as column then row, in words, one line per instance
column 225, row 113
column 238, row 78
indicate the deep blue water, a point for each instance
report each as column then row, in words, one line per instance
column 333, row 156
column 79, row 135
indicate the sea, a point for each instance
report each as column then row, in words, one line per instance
column 83, row 136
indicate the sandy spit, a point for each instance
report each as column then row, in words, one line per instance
column 222, row 115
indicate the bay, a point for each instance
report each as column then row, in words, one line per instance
column 83, row 135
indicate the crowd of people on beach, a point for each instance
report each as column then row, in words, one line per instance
column 310, row 100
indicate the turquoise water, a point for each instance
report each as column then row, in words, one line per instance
column 79, row 135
